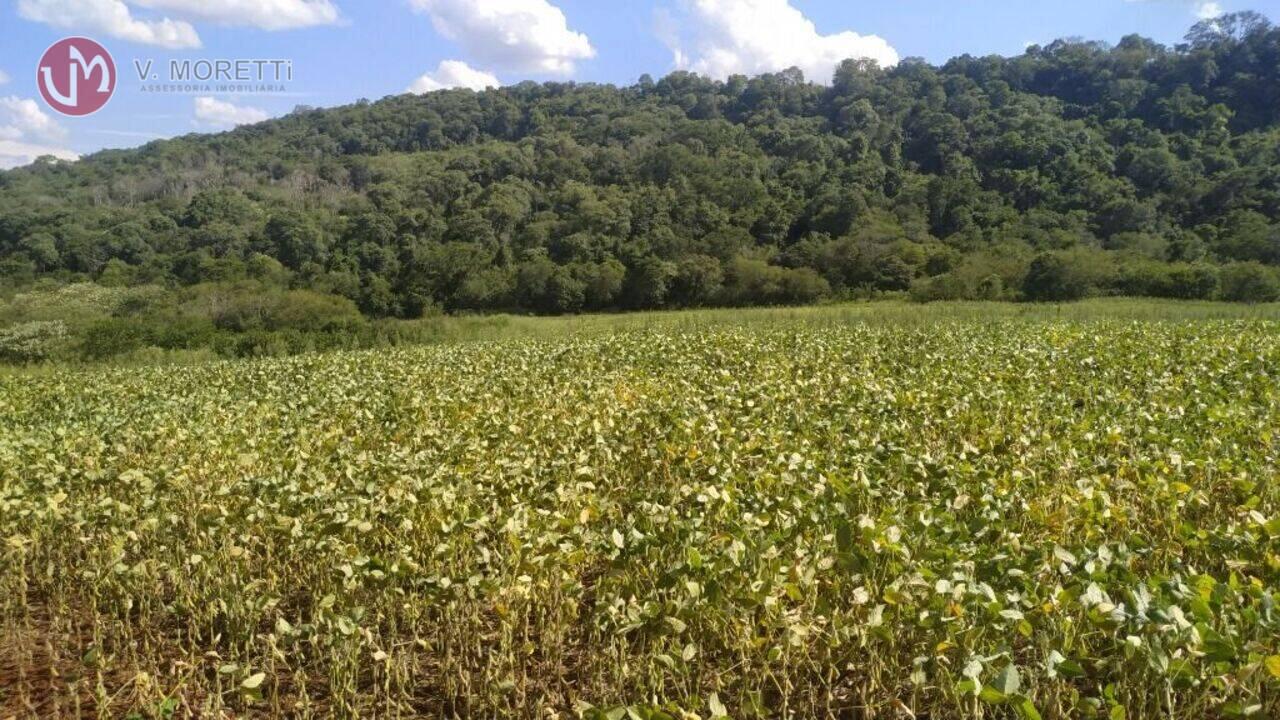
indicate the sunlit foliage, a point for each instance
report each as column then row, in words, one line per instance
column 1044, row 519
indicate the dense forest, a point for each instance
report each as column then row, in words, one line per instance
column 1075, row 169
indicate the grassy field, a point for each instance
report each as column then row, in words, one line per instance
column 80, row 312
column 895, row 313
column 855, row 511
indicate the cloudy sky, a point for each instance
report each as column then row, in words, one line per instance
column 343, row 50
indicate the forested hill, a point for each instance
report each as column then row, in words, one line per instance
column 1077, row 168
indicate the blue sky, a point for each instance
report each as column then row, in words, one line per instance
column 343, row 50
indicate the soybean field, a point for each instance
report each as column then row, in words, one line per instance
column 1044, row 518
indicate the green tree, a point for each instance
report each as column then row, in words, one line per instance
column 1249, row 282
column 1051, row 278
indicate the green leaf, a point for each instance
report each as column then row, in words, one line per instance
column 1025, row 708
column 254, row 681
column 1272, row 526
column 693, row 557
column 1070, row 668
column 1272, row 664
column 717, row 708
column 991, row 696
column 1117, row 713
column 1008, row 681
column 1064, row 556
column 1235, row 709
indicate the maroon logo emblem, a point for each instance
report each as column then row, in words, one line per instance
column 76, row 76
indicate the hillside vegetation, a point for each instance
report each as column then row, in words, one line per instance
column 1075, row 169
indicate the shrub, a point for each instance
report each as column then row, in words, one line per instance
column 648, row 282
column 990, row 287
column 602, row 281
column 109, row 338
column 487, row 289
column 1051, row 278
column 698, row 280
column 943, row 287
column 1250, row 282
column 545, row 287
column 310, row 311
column 753, row 281
column 32, row 341
column 1192, row 282
column 249, row 306
column 803, row 285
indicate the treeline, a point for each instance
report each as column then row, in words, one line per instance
column 1075, row 169
column 86, row 322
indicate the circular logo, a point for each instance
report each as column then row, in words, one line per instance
column 76, row 76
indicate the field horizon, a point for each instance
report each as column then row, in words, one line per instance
column 498, row 326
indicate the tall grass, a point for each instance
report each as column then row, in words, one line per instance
column 894, row 313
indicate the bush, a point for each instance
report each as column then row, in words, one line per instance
column 184, row 334
column 990, row 287
column 753, row 281
column 1156, row 279
column 251, row 306
column 487, row 289
column 545, row 287
column 698, row 280
column 1250, row 282
column 602, row 282
column 892, row 272
column 648, row 282
column 1192, row 282
column 309, row 311
column 109, row 338
column 1051, row 278
column 803, row 285
column 943, row 287
column 33, row 341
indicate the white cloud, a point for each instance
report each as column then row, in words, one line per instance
column 25, row 130
column 16, row 154
column 667, row 28
column 756, row 36
column 262, row 14
column 1202, row 9
column 23, row 118
column 454, row 74
column 1208, row 10
column 213, row 112
column 4, row 77
column 112, row 18
column 524, row 36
